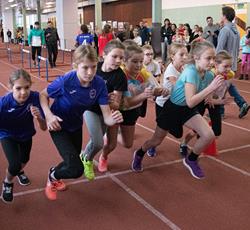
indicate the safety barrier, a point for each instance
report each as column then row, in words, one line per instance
column 23, row 52
column 40, row 58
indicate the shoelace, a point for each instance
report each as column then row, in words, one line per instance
column 8, row 189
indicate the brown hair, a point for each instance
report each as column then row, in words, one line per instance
column 221, row 56
column 113, row 44
column 229, row 13
column 132, row 49
column 147, row 47
column 82, row 52
column 173, row 49
column 17, row 74
column 197, row 48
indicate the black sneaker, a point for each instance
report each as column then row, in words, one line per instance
column 7, row 192
column 183, row 150
column 244, row 110
column 23, row 179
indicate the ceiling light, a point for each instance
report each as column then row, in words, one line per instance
column 48, row 3
column 13, row 5
column 10, row 0
column 6, row 8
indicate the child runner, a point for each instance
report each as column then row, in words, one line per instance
column 151, row 66
column 177, row 54
column 181, row 110
column 140, row 87
column 223, row 63
column 245, row 64
column 116, row 83
column 73, row 93
column 17, row 110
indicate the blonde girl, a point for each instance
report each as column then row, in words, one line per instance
column 73, row 94
column 195, row 84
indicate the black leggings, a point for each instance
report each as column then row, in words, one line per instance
column 69, row 145
column 17, row 153
column 36, row 50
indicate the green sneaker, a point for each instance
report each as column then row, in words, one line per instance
column 88, row 168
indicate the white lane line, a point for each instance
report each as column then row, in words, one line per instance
column 13, row 66
column 4, row 86
column 241, row 81
column 243, row 91
column 235, row 126
column 234, row 149
column 230, row 166
column 144, row 203
column 106, row 175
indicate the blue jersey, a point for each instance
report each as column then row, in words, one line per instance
column 72, row 99
column 189, row 75
column 84, row 39
column 16, row 120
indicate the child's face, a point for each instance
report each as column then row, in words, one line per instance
column 86, row 71
column 148, row 56
column 114, row 58
column 206, row 59
column 180, row 57
column 21, row 90
column 224, row 67
column 134, row 63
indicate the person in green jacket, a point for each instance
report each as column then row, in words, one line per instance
column 36, row 40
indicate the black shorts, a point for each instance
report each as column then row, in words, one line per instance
column 130, row 116
column 158, row 110
column 215, row 116
column 173, row 117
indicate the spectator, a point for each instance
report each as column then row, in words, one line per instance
column 211, row 31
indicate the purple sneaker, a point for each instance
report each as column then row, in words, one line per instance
column 151, row 152
column 194, row 168
column 137, row 163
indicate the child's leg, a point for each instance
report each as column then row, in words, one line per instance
column 154, row 141
column 111, row 144
column 215, row 117
column 95, row 124
column 243, row 65
column 69, row 145
column 127, row 135
column 201, row 127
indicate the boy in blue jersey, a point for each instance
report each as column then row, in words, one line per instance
column 73, row 93
column 17, row 110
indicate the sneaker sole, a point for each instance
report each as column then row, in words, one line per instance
column 7, row 202
column 22, row 183
column 245, row 113
column 190, row 170
column 133, row 168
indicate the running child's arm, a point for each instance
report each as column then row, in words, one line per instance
column 111, row 117
column 115, row 99
column 37, row 115
column 53, row 122
column 135, row 100
column 193, row 99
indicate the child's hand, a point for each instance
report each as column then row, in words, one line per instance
column 35, row 112
column 117, row 116
column 148, row 92
column 53, row 122
column 216, row 83
column 227, row 100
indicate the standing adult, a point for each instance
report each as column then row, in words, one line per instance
column 9, row 33
column 166, row 38
column 2, row 35
column 36, row 40
column 229, row 40
column 144, row 33
column 211, row 31
column 52, row 42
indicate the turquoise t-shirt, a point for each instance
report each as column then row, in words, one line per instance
column 189, row 75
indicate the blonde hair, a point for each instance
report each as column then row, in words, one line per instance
column 221, row 56
column 82, row 52
column 132, row 49
column 198, row 48
column 173, row 49
column 113, row 44
column 147, row 47
column 17, row 74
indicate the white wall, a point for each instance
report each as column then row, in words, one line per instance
column 173, row 4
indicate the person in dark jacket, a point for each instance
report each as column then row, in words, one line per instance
column 52, row 42
column 166, row 38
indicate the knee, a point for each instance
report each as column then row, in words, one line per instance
column 14, row 169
